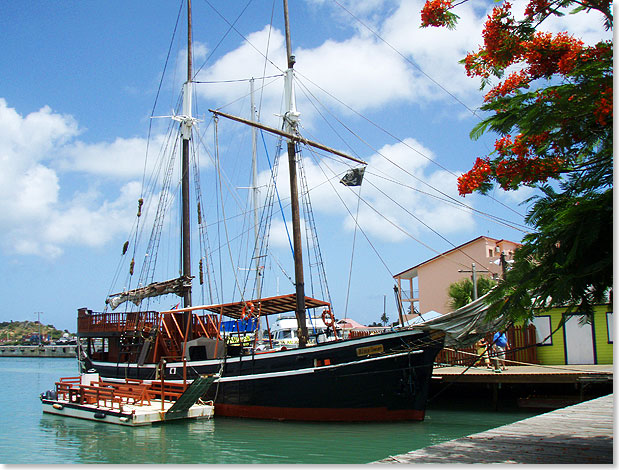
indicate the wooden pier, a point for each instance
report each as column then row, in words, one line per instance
column 578, row 434
column 531, row 386
column 575, row 374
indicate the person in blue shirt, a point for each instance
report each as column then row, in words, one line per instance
column 499, row 344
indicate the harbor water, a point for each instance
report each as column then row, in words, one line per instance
column 28, row 436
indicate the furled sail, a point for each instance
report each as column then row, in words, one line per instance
column 173, row 286
column 466, row 325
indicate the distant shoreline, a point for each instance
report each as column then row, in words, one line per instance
column 20, row 350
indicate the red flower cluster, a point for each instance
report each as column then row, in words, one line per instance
column 436, row 13
column 604, row 111
column 542, row 54
column 517, row 164
column 501, row 45
column 529, row 159
column 510, row 173
column 475, row 177
column 536, row 7
column 547, row 54
column 515, row 81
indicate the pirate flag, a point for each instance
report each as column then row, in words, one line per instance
column 353, row 177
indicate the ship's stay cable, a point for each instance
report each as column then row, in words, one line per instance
column 352, row 252
column 418, row 179
column 261, row 88
column 386, row 132
column 230, row 28
column 455, row 204
column 381, row 215
column 266, row 55
column 136, row 227
column 378, row 36
column 238, row 80
column 203, row 239
column 312, row 236
column 225, row 225
column 424, row 224
column 350, row 213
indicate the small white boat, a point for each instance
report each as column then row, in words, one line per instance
column 133, row 403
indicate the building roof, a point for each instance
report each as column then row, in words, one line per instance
column 349, row 323
column 459, row 247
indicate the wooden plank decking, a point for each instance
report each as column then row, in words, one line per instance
column 578, row 434
column 525, row 374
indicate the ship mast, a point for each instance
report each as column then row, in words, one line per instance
column 186, row 123
column 291, row 118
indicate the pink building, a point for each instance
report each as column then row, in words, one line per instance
column 424, row 287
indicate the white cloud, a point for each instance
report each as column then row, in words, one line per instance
column 36, row 219
column 392, row 208
column 350, row 67
column 122, row 158
column 247, row 62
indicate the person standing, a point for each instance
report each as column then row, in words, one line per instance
column 499, row 345
column 482, row 352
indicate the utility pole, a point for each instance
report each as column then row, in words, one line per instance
column 473, row 272
column 38, row 314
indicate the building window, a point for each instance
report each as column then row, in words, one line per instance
column 490, row 252
column 609, row 326
column 543, row 330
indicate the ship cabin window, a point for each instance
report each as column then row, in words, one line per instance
column 99, row 348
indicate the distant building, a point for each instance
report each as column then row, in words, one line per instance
column 424, row 287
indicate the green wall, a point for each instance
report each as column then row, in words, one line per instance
column 556, row 354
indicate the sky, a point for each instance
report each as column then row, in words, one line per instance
column 79, row 82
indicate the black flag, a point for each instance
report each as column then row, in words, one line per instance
column 353, row 177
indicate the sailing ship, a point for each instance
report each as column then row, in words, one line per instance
column 378, row 377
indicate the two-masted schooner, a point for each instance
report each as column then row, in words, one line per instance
column 379, row 377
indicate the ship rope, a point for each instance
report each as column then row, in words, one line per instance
column 352, row 252
column 266, row 214
column 330, row 182
column 203, row 239
column 223, row 212
column 312, row 244
column 312, row 99
column 386, row 132
column 136, row 229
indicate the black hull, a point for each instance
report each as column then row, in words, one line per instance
column 378, row 378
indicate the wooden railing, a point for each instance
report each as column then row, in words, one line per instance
column 521, row 348
column 109, row 322
column 115, row 395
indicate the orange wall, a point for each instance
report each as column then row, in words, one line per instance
column 436, row 276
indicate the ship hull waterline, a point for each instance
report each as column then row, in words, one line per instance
column 382, row 377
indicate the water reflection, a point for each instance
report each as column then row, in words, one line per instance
column 238, row 441
column 27, row 436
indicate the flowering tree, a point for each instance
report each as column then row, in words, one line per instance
column 552, row 110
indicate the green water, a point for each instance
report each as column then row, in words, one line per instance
column 27, row 436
